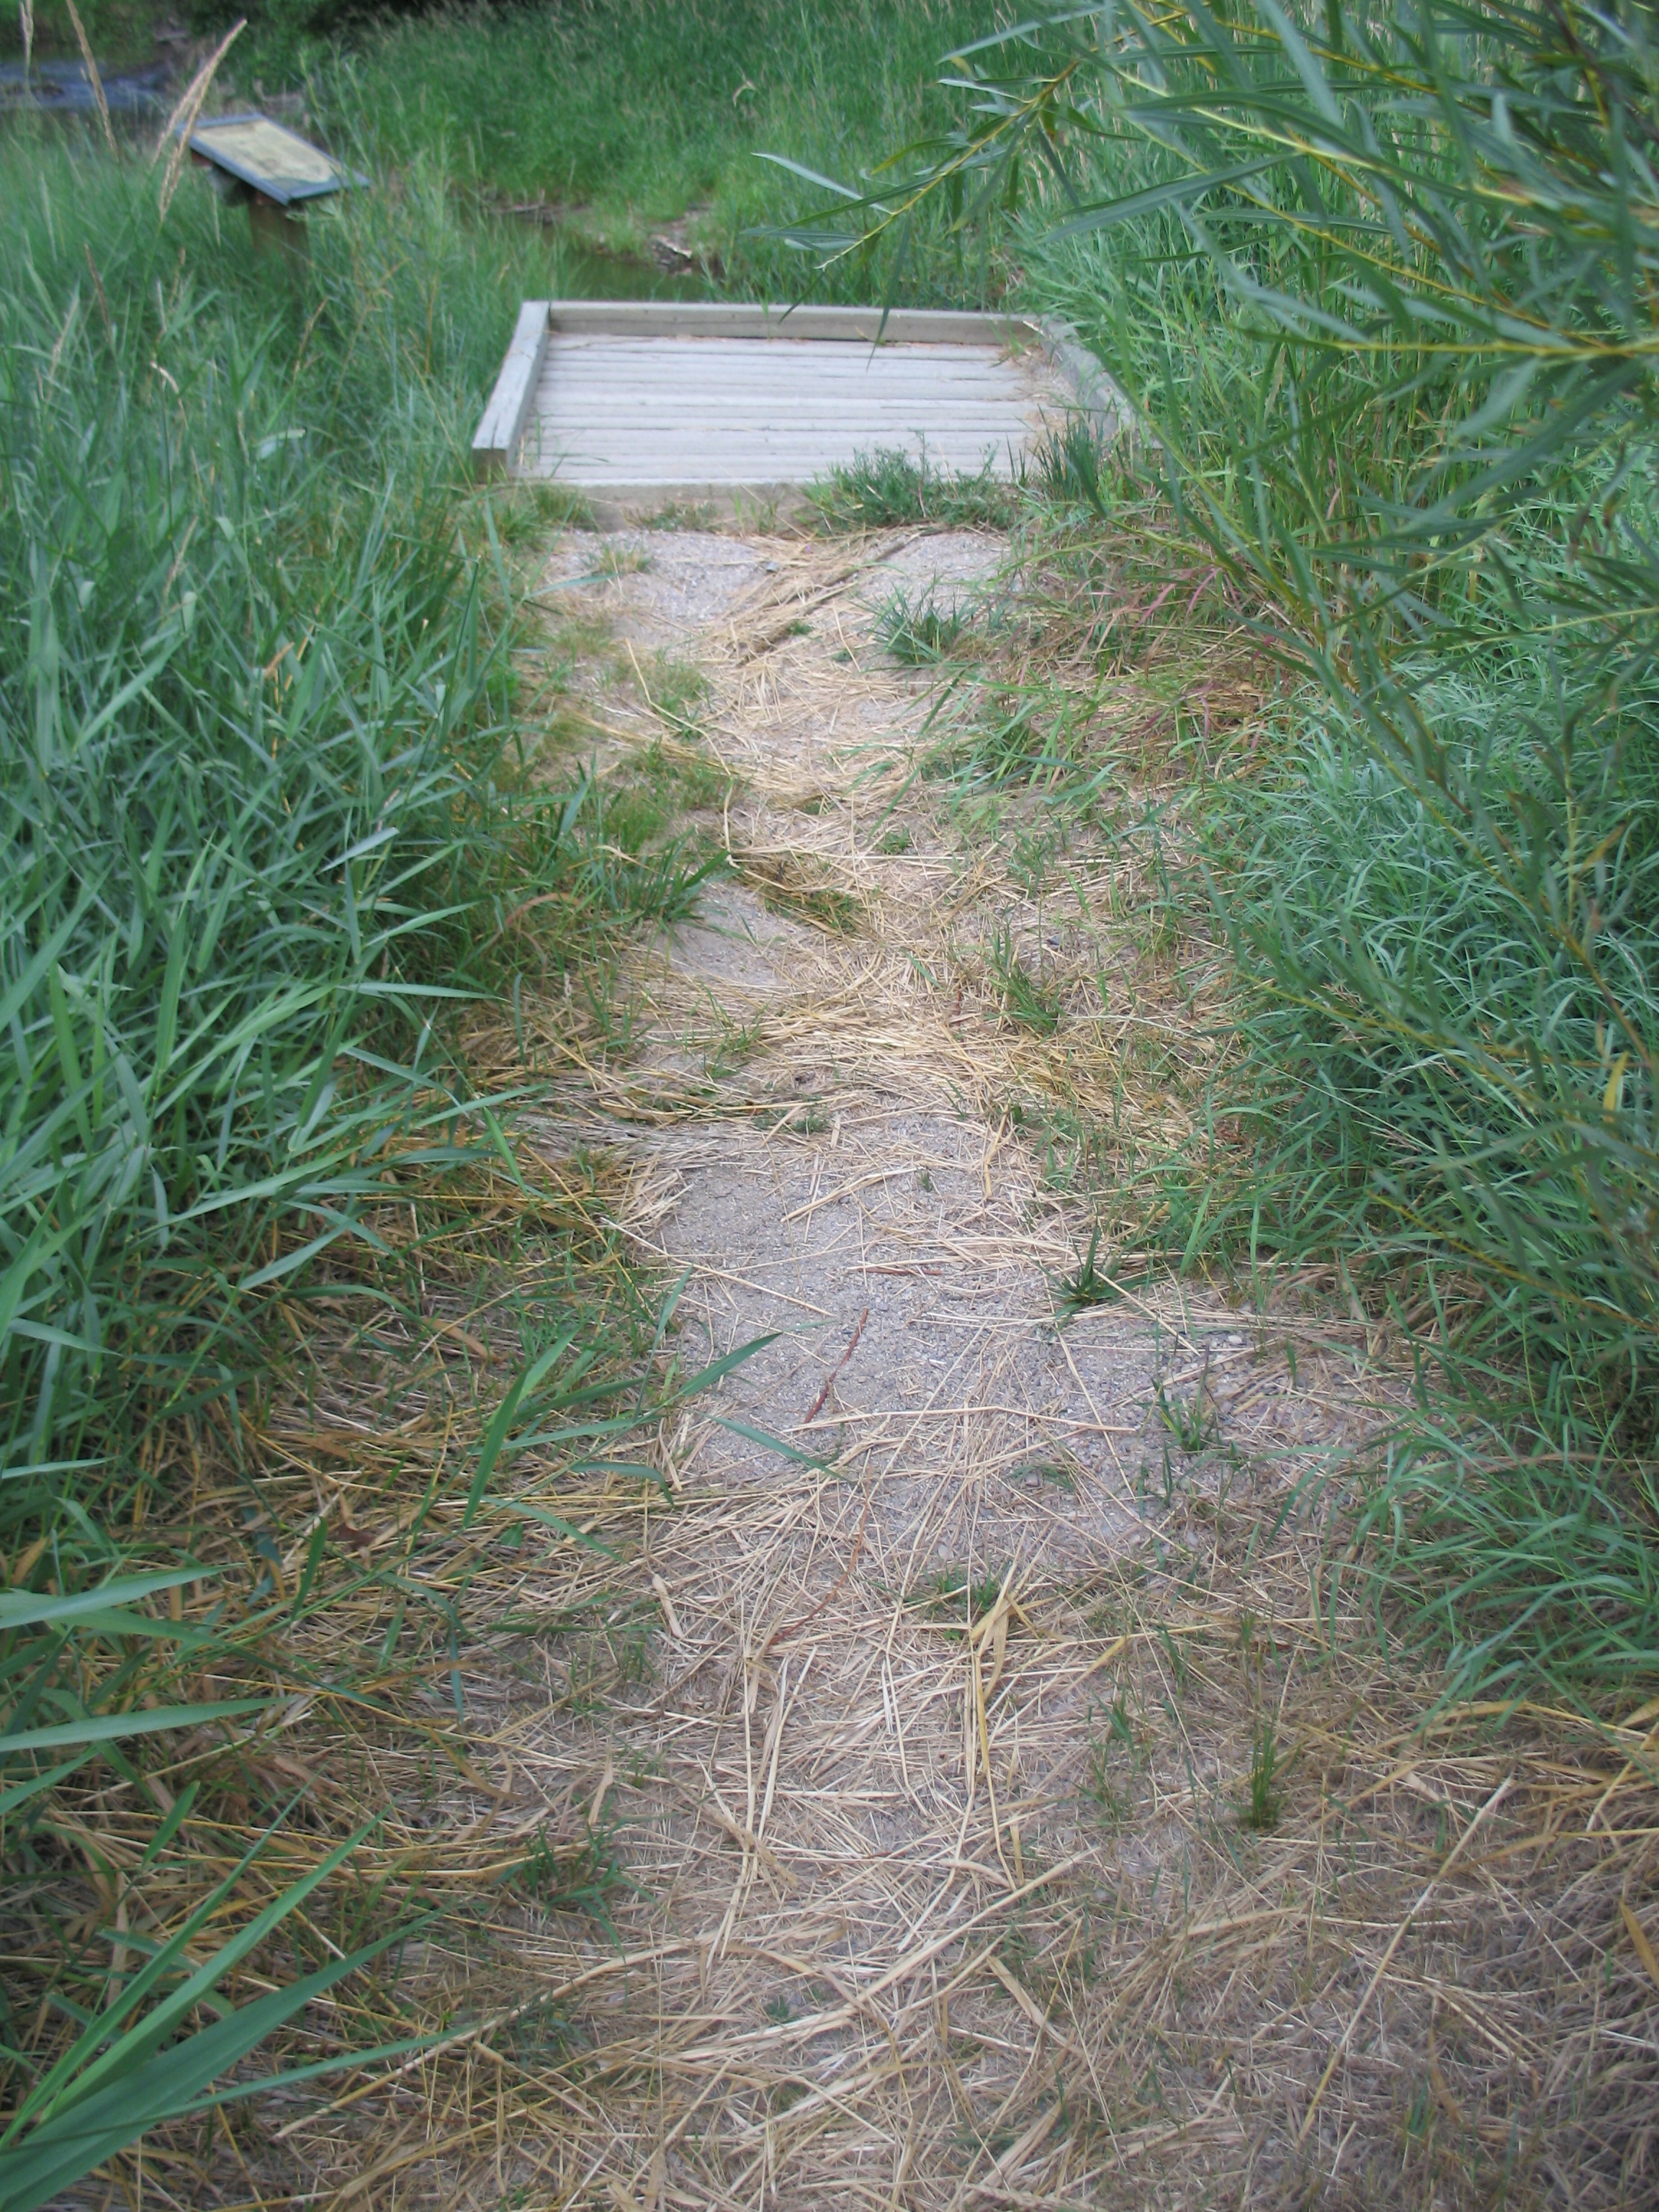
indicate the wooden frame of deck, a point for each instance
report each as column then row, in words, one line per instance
column 513, row 403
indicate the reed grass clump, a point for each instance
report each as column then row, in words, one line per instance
column 264, row 815
column 266, row 824
column 887, row 487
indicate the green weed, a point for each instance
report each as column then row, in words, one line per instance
column 949, row 1594
column 738, row 1042
column 1264, row 1793
column 1024, row 998
column 1071, row 463
column 1047, row 1471
column 676, row 689
column 1077, row 1151
column 920, row 632
column 1088, row 1284
column 806, row 1118
column 792, row 884
column 582, row 1877
column 1113, row 1761
column 882, row 490
column 688, row 779
column 1032, row 859
column 524, row 512
column 1036, row 732
column 1191, row 1422
column 676, row 515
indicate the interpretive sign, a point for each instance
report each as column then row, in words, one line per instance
column 268, row 159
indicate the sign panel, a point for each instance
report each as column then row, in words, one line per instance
column 268, row 158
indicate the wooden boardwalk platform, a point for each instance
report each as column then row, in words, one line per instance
column 638, row 405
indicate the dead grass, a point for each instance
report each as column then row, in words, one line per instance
column 792, row 883
column 919, row 1916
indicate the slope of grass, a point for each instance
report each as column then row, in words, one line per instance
column 614, row 118
column 624, row 114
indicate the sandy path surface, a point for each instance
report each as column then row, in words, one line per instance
column 879, row 1846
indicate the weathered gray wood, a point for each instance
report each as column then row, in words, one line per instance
column 714, row 408
column 724, row 318
column 497, row 438
column 644, row 401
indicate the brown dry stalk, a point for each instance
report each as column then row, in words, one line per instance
column 794, row 1627
column 1638, row 1937
column 823, row 1398
column 92, row 68
column 182, row 121
column 1394, row 1942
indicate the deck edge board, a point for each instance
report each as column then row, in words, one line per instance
column 495, row 442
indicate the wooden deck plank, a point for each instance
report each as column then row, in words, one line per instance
column 808, row 362
column 713, row 318
column 753, row 468
column 616, row 410
column 629, row 399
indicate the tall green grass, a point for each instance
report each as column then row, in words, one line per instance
column 1377, row 288
column 253, row 726
column 247, row 722
column 264, row 820
column 626, row 113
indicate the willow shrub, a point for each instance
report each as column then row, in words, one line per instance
column 1377, row 288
